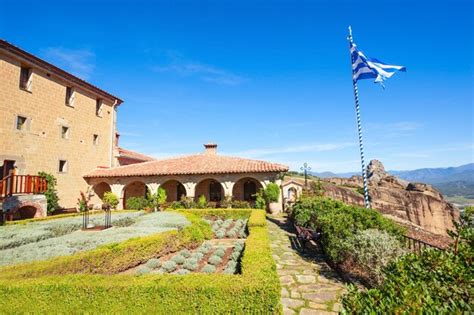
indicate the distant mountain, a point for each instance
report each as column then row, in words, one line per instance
column 451, row 181
column 463, row 173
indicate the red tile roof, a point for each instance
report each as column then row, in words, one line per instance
column 191, row 164
column 133, row 155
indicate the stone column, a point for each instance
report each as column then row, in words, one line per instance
column 118, row 190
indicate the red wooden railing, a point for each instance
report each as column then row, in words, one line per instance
column 416, row 246
column 22, row 184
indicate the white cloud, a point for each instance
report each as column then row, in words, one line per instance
column 204, row 72
column 80, row 62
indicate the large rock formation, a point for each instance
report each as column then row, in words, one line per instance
column 415, row 204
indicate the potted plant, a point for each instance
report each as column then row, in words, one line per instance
column 272, row 196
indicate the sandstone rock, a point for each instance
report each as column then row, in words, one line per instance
column 415, row 203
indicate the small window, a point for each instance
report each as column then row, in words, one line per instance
column 25, row 78
column 62, row 166
column 20, row 123
column 98, row 107
column 70, row 94
column 64, row 132
column 95, row 139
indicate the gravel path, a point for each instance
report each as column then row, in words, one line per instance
column 309, row 285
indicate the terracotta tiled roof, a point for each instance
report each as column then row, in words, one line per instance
column 191, row 164
column 134, row 155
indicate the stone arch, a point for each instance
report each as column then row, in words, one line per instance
column 174, row 190
column 134, row 189
column 26, row 210
column 210, row 188
column 99, row 190
column 246, row 188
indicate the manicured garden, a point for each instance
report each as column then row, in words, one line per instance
column 187, row 269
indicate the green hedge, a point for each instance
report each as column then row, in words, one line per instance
column 61, row 216
column 222, row 213
column 256, row 290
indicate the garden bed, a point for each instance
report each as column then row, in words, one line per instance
column 95, row 280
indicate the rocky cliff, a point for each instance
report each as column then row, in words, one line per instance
column 414, row 204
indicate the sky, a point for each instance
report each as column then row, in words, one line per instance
column 269, row 80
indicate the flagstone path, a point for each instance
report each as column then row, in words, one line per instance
column 309, row 285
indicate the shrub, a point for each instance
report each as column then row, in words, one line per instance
column 176, row 205
column 209, row 269
column 272, row 193
column 191, row 264
column 220, row 234
column 197, row 256
column 185, row 253
column 202, row 202
column 153, row 263
column 169, row 266
column 372, row 250
column 110, row 200
column 240, row 204
column 259, row 200
column 51, row 193
column 178, row 259
column 137, row 203
column 231, row 233
column 227, row 203
column 124, row 222
column 182, row 272
column 215, row 260
column 157, row 199
column 187, row 202
column 220, row 252
column 142, row 270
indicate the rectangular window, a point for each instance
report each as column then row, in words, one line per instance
column 62, row 166
column 70, row 94
column 20, row 123
column 25, row 78
column 64, row 132
column 98, row 107
column 95, row 139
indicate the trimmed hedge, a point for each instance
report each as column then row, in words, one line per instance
column 221, row 213
column 256, row 290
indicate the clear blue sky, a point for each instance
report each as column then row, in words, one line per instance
column 269, row 80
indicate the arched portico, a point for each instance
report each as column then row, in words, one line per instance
column 211, row 189
column 99, row 190
column 133, row 189
column 175, row 190
column 246, row 189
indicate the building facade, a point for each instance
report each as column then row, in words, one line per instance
column 54, row 122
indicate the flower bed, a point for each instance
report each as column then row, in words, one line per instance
column 55, row 286
column 61, row 237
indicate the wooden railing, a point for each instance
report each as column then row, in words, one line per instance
column 22, row 184
column 417, row 246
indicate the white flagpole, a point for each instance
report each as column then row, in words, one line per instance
column 359, row 128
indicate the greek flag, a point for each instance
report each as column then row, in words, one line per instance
column 367, row 68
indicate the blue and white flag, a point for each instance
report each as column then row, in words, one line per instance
column 367, row 68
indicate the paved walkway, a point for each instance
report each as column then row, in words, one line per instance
column 309, row 285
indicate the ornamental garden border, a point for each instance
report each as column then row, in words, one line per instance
column 87, row 282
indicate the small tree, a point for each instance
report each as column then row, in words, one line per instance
column 83, row 201
column 157, row 199
column 259, row 200
column 202, row 202
column 272, row 193
column 51, row 193
column 110, row 200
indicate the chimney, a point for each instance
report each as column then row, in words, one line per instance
column 211, row 148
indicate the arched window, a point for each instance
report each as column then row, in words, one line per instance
column 180, row 191
column 250, row 189
column 215, row 192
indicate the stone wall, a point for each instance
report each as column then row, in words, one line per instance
column 39, row 147
column 25, row 207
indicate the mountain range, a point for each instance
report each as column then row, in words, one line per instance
column 451, row 181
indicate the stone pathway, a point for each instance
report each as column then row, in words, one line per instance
column 309, row 285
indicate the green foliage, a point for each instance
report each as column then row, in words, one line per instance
column 338, row 222
column 240, row 204
column 169, row 266
column 215, row 260
column 209, row 269
column 137, row 203
column 202, row 202
column 51, row 193
column 153, row 263
column 433, row 282
column 227, row 203
column 179, row 259
column 272, row 193
column 110, row 199
column 256, row 290
column 157, row 199
column 143, row 270
column 372, row 250
column 260, row 200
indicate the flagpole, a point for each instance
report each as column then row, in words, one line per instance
column 359, row 129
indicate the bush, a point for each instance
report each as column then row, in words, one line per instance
column 137, row 203
column 143, row 270
column 433, row 282
column 191, row 264
column 110, row 199
column 240, row 204
column 215, row 260
column 338, row 222
column 272, row 193
column 51, row 193
column 157, row 199
column 178, row 259
column 202, row 202
column 153, row 263
column 220, row 252
column 372, row 250
column 185, row 253
column 260, row 200
column 209, row 269
column 169, row 266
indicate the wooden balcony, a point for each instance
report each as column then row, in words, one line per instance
column 22, row 184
